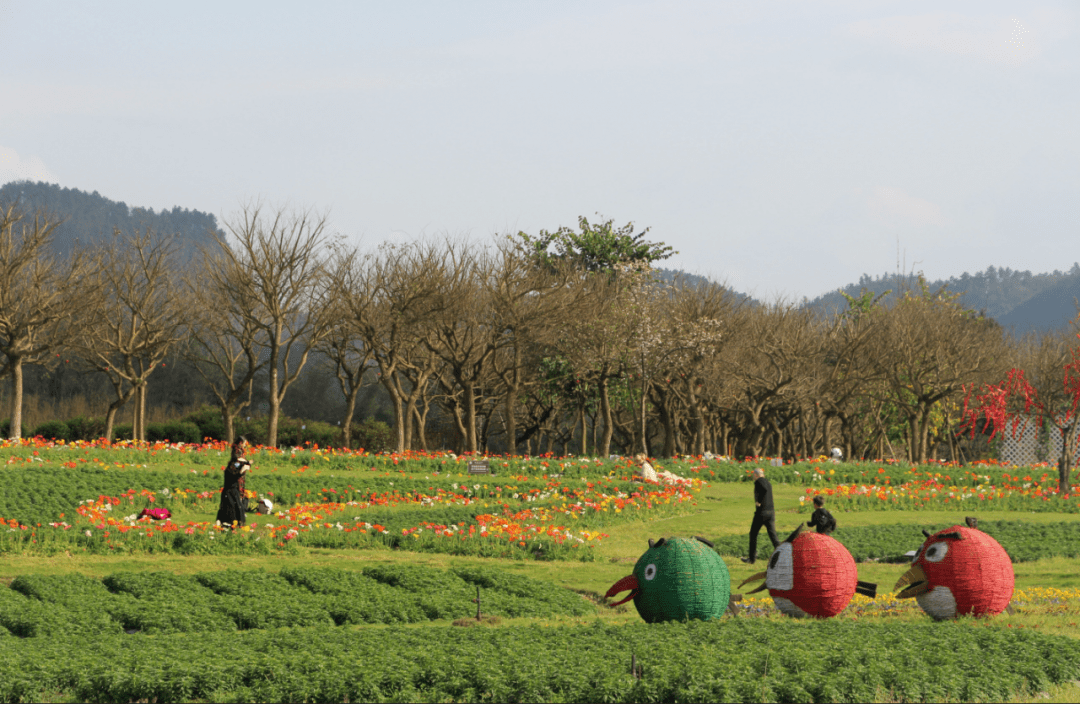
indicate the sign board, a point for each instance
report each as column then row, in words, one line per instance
column 479, row 467
column 777, row 462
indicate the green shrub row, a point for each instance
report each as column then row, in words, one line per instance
column 370, row 434
column 727, row 660
column 65, row 606
column 1023, row 541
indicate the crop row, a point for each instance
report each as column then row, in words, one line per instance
column 808, row 472
column 71, row 605
column 1023, row 541
column 34, row 493
column 729, row 660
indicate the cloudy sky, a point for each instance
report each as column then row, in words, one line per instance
column 783, row 148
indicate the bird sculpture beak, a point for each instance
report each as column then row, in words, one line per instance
column 754, row 578
column 912, row 583
column 628, row 582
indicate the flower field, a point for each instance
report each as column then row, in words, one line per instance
column 971, row 492
column 326, row 603
column 365, row 502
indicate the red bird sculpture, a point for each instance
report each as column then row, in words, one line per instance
column 811, row 574
column 959, row 571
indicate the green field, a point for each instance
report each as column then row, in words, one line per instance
column 336, row 615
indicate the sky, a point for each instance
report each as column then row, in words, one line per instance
column 782, row 148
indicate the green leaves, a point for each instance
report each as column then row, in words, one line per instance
column 716, row 661
column 161, row 602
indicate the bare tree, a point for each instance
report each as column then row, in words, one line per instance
column 225, row 343
column 528, row 306
column 928, row 348
column 136, row 321
column 389, row 299
column 343, row 344
column 461, row 335
column 273, row 275
column 40, row 295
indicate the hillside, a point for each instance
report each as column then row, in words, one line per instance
column 88, row 217
column 1019, row 300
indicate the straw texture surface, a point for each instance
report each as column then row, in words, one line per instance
column 975, row 569
column 681, row 579
column 823, row 576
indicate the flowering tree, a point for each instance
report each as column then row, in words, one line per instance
column 1049, row 390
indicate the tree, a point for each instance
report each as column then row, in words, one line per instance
column 1048, row 388
column 275, row 278
column 461, row 335
column 136, row 320
column 343, row 344
column 225, row 341
column 528, row 305
column 622, row 260
column 600, row 248
column 390, row 301
column 928, row 347
column 40, row 295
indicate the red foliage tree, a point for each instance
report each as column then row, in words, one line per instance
column 1050, row 393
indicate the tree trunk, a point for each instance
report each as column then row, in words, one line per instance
column 15, row 432
column 275, row 401
column 605, row 411
column 584, row 431
column 421, row 422
column 142, row 410
column 470, row 415
column 1065, row 461
column 346, row 422
column 230, row 425
column 399, row 412
column 668, row 423
column 510, row 422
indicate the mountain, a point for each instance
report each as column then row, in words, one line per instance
column 671, row 275
column 1052, row 308
column 89, row 217
column 1019, row 300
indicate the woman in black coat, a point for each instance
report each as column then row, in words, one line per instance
column 233, row 501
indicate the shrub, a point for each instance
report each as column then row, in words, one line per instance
column 5, row 429
column 174, row 431
column 54, row 429
column 208, row 420
column 86, row 428
column 373, row 435
column 121, row 431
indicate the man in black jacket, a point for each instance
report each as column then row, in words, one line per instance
column 764, row 513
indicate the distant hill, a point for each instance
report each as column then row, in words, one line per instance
column 88, row 217
column 670, row 275
column 1019, row 300
column 1051, row 308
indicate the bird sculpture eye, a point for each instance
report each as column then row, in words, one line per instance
column 650, row 571
column 937, row 552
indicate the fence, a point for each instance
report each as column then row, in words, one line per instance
column 1031, row 444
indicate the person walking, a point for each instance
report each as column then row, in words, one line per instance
column 821, row 519
column 233, row 508
column 764, row 514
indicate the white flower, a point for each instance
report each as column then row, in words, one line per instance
column 87, row 534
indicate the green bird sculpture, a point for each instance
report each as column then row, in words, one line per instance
column 677, row 579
